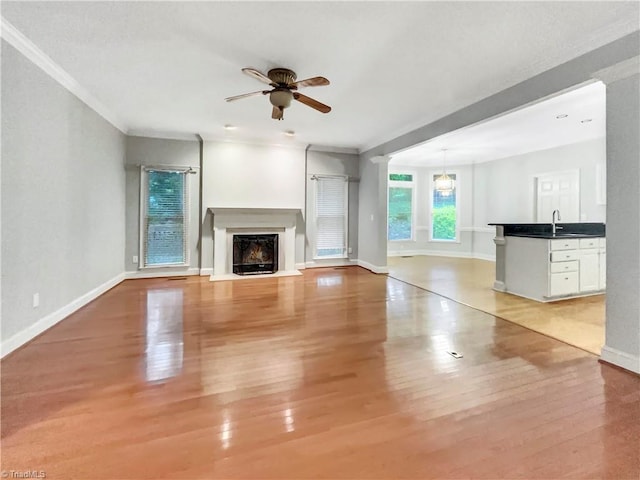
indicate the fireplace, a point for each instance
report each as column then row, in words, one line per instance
column 255, row 254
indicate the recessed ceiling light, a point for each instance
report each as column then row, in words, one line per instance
column 586, row 120
column 562, row 115
column 289, row 133
column 230, row 127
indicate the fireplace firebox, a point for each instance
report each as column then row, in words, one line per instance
column 255, row 254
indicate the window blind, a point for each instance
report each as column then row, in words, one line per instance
column 165, row 218
column 331, row 217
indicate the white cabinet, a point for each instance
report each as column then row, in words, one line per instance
column 545, row 269
column 603, row 263
column 589, row 270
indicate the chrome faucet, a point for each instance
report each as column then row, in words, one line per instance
column 553, row 222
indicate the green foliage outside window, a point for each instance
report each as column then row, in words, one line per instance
column 444, row 223
column 400, row 177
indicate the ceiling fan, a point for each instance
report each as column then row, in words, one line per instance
column 284, row 86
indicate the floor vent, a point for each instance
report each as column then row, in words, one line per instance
column 339, row 268
column 406, row 256
column 176, row 278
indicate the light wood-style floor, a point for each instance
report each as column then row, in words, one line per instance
column 338, row 373
column 578, row 321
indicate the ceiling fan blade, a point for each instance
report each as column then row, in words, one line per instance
column 277, row 113
column 310, row 102
column 245, row 95
column 310, row 82
column 252, row 72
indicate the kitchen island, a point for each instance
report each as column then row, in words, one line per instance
column 534, row 262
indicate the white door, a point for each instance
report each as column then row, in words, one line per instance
column 558, row 191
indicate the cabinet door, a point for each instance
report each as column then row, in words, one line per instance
column 563, row 284
column 589, row 270
column 603, row 270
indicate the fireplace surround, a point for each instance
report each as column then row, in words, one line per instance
column 228, row 222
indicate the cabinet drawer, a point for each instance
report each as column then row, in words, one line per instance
column 563, row 284
column 559, row 267
column 569, row 244
column 564, row 255
column 589, row 242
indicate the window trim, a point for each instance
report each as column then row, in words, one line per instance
column 144, row 182
column 458, row 203
column 314, row 223
column 413, row 184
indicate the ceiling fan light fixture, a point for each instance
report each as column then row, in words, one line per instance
column 281, row 98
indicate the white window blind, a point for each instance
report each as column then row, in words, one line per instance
column 164, row 218
column 331, row 217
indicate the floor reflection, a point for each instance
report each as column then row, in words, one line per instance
column 164, row 326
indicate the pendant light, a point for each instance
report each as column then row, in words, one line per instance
column 444, row 183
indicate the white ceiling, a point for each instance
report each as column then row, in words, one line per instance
column 529, row 129
column 165, row 67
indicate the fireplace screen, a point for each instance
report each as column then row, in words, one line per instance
column 255, row 254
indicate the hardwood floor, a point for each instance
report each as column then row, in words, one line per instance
column 578, row 321
column 338, row 373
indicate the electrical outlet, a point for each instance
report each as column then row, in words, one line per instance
column 135, row 259
column 350, row 250
column 372, row 217
column 36, row 300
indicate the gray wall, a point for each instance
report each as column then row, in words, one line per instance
column 160, row 152
column 328, row 163
column 623, row 220
column 63, row 191
column 372, row 218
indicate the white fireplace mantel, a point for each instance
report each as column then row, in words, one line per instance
column 227, row 221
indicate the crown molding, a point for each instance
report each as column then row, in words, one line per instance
column 191, row 137
column 25, row 46
column 330, row 149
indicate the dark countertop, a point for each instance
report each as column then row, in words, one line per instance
column 544, row 230
column 550, row 236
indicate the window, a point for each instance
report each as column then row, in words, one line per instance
column 444, row 212
column 331, row 217
column 400, row 221
column 164, row 218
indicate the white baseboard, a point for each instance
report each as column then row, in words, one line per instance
column 161, row 273
column 373, row 268
column 50, row 320
column 300, row 266
column 206, row 272
column 336, row 262
column 442, row 253
column 621, row 359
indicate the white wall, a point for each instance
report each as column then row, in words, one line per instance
column 160, row 152
column 249, row 176
column 63, row 194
